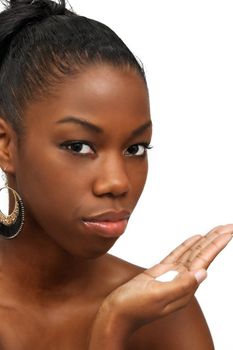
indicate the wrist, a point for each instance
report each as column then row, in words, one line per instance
column 110, row 331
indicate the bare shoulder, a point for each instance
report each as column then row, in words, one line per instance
column 122, row 270
column 123, row 265
column 181, row 330
column 112, row 272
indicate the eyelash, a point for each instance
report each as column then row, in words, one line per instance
column 143, row 144
column 69, row 144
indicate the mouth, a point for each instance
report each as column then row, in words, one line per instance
column 110, row 224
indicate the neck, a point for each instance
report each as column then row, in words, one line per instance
column 34, row 262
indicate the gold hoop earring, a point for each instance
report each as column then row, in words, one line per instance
column 12, row 224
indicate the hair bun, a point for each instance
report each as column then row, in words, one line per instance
column 20, row 13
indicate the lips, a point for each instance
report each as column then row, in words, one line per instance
column 108, row 224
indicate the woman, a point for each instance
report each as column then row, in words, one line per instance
column 74, row 132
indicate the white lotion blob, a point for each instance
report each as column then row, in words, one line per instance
column 167, row 276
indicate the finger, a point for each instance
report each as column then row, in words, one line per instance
column 180, row 250
column 189, row 256
column 209, row 253
column 222, row 229
column 194, row 241
column 218, row 230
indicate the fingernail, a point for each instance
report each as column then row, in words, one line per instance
column 200, row 275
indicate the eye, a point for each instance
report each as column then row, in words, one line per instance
column 79, row 147
column 138, row 149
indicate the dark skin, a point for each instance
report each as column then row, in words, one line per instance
column 58, row 282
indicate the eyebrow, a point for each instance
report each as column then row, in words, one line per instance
column 140, row 130
column 94, row 128
column 80, row 121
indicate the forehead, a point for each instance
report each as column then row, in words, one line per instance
column 103, row 94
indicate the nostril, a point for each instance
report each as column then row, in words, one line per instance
column 110, row 190
column 111, row 186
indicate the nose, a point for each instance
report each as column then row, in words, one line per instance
column 112, row 178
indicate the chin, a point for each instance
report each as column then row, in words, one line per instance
column 92, row 251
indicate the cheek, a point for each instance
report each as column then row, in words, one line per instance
column 137, row 178
column 51, row 190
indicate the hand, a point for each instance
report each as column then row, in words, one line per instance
column 144, row 299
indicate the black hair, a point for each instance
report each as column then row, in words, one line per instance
column 41, row 41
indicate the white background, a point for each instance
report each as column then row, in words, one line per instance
column 186, row 48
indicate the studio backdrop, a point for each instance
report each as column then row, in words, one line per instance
column 186, row 49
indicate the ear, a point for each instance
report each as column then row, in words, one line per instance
column 7, row 146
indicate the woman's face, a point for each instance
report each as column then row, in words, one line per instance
column 82, row 163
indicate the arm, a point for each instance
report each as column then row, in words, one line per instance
column 108, row 331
